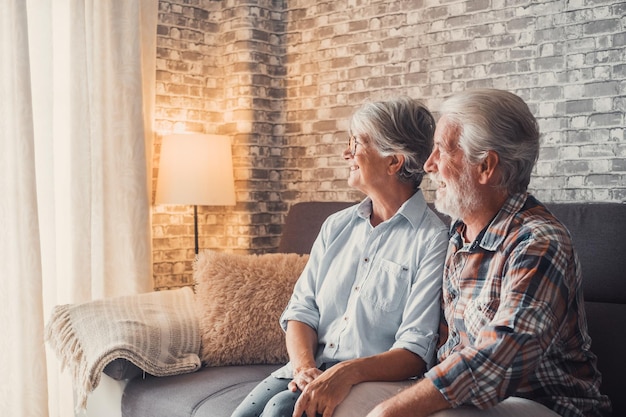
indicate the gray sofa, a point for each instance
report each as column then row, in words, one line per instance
column 598, row 231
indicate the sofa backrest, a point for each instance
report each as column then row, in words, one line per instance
column 598, row 231
column 303, row 223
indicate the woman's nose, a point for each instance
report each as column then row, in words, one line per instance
column 347, row 154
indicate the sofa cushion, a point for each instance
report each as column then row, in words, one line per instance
column 209, row 392
column 239, row 299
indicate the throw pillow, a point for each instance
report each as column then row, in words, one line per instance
column 239, row 299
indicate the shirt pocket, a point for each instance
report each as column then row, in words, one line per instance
column 387, row 286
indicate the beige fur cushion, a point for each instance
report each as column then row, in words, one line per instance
column 239, row 299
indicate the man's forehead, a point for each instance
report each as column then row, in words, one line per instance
column 447, row 131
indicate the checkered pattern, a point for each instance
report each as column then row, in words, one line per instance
column 515, row 317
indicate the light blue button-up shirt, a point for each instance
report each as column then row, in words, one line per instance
column 366, row 290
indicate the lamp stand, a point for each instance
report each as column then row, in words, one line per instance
column 195, row 227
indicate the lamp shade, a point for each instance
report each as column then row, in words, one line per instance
column 195, row 169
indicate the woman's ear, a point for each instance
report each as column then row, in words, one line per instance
column 488, row 167
column 395, row 163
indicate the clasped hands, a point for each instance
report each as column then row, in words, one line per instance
column 322, row 391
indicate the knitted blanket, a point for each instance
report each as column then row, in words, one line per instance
column 156, row 331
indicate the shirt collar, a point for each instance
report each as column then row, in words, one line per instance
column 492, row 236
column 412, row 209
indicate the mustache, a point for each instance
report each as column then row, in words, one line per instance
column 434, row 177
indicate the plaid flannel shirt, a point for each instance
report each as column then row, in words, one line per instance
column 514, row 316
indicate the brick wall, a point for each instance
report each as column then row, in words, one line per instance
column 282, row 78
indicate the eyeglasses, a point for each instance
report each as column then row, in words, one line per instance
column 352, row 142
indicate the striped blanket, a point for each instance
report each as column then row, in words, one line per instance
column 156, row 331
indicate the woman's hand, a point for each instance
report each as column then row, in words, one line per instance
column 303, row 378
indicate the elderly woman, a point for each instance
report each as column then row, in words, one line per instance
column 364, row 314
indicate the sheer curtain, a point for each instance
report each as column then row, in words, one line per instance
column 76, row 98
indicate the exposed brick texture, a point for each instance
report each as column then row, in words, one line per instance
column 282, row 78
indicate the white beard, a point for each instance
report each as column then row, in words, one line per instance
column 457, row 198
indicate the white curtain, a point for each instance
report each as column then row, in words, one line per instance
column 76, row 99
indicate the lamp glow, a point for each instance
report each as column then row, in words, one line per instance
column 195, row 169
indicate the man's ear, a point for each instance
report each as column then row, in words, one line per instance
column 395, row 163
column 488, row 168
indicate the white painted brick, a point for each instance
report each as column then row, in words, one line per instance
column 575, row 181
column 546, row 109
column 579, row 122
column 574, row 91
column 569, row 152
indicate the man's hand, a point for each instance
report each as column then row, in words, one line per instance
column 323, row 394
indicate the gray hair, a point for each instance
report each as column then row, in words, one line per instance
column 399, row 126
column 499, row 121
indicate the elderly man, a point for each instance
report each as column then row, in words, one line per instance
column 514, row 336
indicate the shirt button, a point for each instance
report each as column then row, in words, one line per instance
column 331, row 345
column 366, row 259
column 345, row 319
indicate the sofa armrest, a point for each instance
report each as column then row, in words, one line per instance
column 157, row 331
column 106, row 399
column 121, row 369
